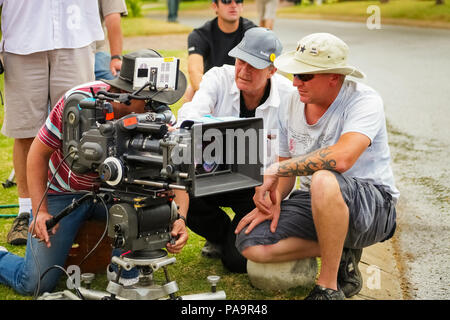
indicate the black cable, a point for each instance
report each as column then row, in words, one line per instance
column 103, row 235
column 32, row 231
column 36, row 292
column 67, row 274
column 129, row 96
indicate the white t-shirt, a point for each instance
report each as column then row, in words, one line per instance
column 357, row 108
column 30, row 26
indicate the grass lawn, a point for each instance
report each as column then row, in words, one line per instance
column 133, row 27
column 423, row 12
column 411, row 12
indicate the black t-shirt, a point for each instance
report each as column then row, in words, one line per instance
column 246, row 113
column 213, row 44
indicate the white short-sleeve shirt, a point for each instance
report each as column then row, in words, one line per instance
column 30, row 26
column 357, row 108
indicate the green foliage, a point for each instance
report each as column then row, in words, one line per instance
column 134, row 8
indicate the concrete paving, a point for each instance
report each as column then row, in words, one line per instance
column 382, row 278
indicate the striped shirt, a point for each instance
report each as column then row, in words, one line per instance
column 50, row 135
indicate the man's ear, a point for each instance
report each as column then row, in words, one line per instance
column 214, row 7
column 335, row 79
column 272, row 71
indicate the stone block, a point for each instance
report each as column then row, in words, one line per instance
column 284, row 275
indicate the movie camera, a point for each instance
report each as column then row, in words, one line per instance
column 140, row 162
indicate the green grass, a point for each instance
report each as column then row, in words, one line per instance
column 394, row 9
column 161, row 5
column 418, row 10
column 133, row 27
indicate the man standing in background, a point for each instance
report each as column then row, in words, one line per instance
column 267, row 10
column 48, row 47
column 107, row 65
column 172, row 6
column 208, row 46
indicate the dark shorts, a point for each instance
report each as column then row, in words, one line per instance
column 371, row 208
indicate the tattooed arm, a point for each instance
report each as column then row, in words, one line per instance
column 339, row 157
column 279, row 178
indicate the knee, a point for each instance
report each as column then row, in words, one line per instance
column 322, row 180
column 259, row 253
column 29, row 286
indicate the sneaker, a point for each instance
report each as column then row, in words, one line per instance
column 3, row 249
column 19, row 231
column 211, row 250
column 111, row 275
column 321, row 293
column 349, row 277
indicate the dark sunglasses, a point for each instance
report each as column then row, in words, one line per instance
column 229, row 1
column 304, row 77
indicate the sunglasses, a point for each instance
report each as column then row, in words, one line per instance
column 304, row 77
column 229, row 1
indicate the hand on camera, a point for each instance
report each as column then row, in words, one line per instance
column 180, row 233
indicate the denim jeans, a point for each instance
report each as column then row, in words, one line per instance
column 23, row 273
column 102, row 71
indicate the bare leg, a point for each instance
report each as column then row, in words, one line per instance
column 269, row 24
column 285, row 250
column 331, row 217
column 20, row 153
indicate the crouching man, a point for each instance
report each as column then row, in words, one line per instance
column 35, row 273
column 333, row 135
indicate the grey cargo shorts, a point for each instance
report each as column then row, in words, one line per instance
column 371, row 208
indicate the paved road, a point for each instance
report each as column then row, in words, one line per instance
column 410, row 68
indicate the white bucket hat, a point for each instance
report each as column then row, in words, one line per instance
column 318, row 53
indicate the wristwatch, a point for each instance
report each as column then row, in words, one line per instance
column 182, row 218
column 117, row 56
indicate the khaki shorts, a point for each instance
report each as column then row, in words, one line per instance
column 266, row 9
column 36, row 81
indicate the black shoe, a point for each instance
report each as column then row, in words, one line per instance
column 321, row 293
column 349, row 277
column 212, row 250
column 19, row 230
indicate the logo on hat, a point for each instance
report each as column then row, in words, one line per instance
column 314, row 51
column 301, row 48
column 259, row 48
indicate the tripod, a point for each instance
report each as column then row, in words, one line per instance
column 144, row 229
